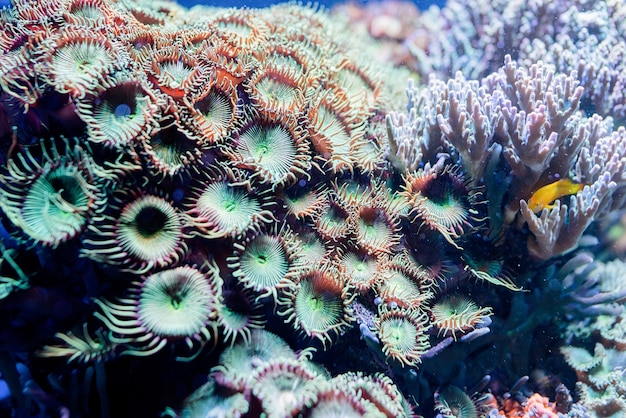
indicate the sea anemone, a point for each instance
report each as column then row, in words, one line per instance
column 364, row 270
column 171, row 305
column 228, row 64
column 304, row 202
column 369, row 156
column 488, row 269
column 402, row 333
column 119, row 109
column 284, row 386
column 35, row 11
column 276, row 89
column 140, row 231
column 170, row 150
column 442, row 200
column 221, row 206
column 333, row 401
column 215, row 400
column 151, row 13
column 335, row 221
column 452, row 402
column 80, row 60
column 288, row 55
column 273, row 149
column 195, row 40
column 352, row 194
column 377, row 230
column 241, row 28
column 51, row 197
column 430, row 252
column 378, row 389
column 139, row 42
column 93, row 13
column 397, row 288
column 374, row 225
column 457, row 314
column 175, row 72
column 304, row 29
column 405, row 283
column 334, row 128
column 213, row 110
column 266, row 260
column 361, row 84
column 16, row 71
column 318, row 303
column 238, row 312
column 239, row 361
column 312, row 249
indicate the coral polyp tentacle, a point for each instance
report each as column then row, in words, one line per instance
column 51, row 198
column 171, row 305
column 273, row 148
column 402, row 333
column 455, row 314
column 442, row 199
column 266, row 260
column 224, row 206
column 139, row 232
column 318, row 302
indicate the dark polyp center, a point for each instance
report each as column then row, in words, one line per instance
column 150, row 221
column 66, row 185
column 176, row 298
column 122, row 99
column 170, row 137
column 438, row 189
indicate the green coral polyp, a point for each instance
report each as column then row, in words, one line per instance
column 171, row 305
column 455, row 315
column 50, row 200
column 263, row 263
column 402, row 333
column 149, row 228
column 224, row 209
column 137, row 236
column 271, row 148
column 318, row 303
column 62, row 199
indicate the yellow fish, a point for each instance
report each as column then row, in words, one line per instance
column 544, row 196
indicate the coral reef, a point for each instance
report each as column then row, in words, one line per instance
column 596, row 333
column 582, row 36
column 530, row 119
column 214, row 212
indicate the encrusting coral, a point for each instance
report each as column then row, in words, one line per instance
column 238, row 206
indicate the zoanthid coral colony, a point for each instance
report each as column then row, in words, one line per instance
column 238, row 213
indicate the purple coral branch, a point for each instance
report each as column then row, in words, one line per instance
column 433, row 351
column 601, row 297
